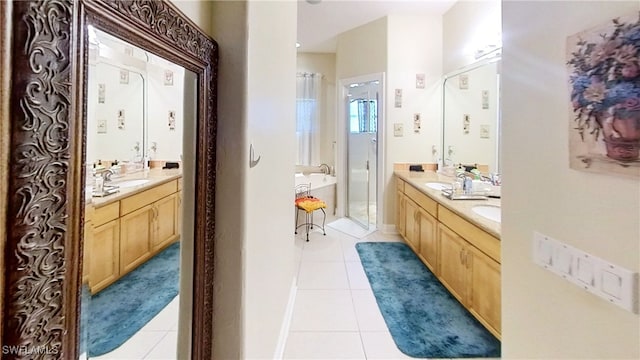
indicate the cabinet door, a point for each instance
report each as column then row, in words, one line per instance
column 87, row 240
column 400, row 213
column 136, row 231
column 179, row 214
column 427, row 230
column 104, row 248
column 451, row 262
column 411, row 234
column 485, row 293
column 166, row 221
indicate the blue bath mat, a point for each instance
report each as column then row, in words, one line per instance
column 120, row 310
column 424, row 319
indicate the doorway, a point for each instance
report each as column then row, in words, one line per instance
column 363, row 105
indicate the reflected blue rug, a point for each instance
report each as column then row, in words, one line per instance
column 123, row 308
column 424, row 319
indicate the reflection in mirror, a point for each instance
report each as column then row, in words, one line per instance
column 132, row 244
column 471, row 116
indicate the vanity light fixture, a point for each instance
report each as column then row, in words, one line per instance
column 487, row 50
column 297, row 45
column 314, row 2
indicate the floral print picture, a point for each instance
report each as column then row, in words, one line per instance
column 604, row 85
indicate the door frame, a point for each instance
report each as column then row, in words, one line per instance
column 342, row 145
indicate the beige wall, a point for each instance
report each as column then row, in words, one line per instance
column 414, row 46
column 543, row 315
column 326, row 65
column 269, row 211
column 362, row 51
column 467, row 26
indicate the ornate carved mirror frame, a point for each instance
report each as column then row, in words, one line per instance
column 42, row 77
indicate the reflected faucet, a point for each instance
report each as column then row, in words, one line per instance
column 325, row 169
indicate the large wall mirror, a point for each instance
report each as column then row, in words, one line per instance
column 93, row 82
column 471, row 116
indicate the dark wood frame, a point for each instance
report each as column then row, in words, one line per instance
column 44, row 199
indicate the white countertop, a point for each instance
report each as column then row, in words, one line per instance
column 155, row 177
column 460, row 207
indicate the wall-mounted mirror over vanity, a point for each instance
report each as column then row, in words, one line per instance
column 471, row 116
column 94, row 81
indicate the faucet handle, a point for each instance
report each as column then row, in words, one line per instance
column 496, row 179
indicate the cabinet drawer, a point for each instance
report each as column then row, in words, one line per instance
column 179, row 184
column 425, row 202
column 147, row 197
column 399, row 184
column 106, row 213
column 473, row 234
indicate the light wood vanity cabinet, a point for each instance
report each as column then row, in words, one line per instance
column 104, row 247
column 136, row 234
column 410, row 224
column 465, row 258
column 400, row 213
column 427, row 230
column 453, row 270
column 128, row 232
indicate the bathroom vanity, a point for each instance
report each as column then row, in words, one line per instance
column 125, row 229
column 460, row 246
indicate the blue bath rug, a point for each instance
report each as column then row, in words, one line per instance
column 122, row 309
column 424, row 319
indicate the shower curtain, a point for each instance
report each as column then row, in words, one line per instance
column 308, row 102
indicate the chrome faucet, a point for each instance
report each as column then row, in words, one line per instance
column 325, row 169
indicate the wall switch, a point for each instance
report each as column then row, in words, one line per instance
column 613, row 283
column 416, row 123
column 563, row 263
column 585, row 270
column 102, row 126
column 466, row 123
column 420, row 79
column 542, row 250
column 398, row 129
column 484, row 131
column 398, row 98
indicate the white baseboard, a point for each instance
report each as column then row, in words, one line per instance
column 389, row 229
column 286, row 322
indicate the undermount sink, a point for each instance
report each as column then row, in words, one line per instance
column 438, row 185
column 132, row 183
column 490, row 212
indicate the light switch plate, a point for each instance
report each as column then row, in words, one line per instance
column 613, row 283
column 398, row 129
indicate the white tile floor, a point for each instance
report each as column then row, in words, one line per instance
column 336, row 315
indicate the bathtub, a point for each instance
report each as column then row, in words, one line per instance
column 323, row 187
column 316, row 180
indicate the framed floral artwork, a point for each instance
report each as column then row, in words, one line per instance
column 604, row 85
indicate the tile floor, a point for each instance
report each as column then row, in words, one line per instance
column 335, row 314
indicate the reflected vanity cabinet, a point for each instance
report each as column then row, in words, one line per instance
column 126, row 233
column 465, row 258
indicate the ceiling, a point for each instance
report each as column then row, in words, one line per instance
column 320, row 21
